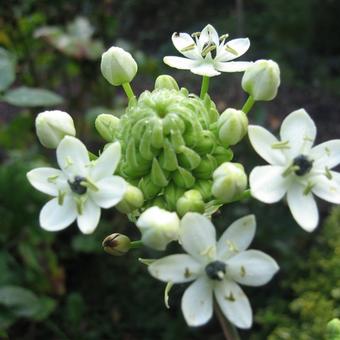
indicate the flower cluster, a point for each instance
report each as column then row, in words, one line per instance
column 172, row 154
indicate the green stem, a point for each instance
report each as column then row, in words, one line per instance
column 128, row 90
column 248, row 104
column 136, row 244
column 229, row 330
column 204, row 86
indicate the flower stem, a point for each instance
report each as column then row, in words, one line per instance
column 204, row 86
column 229, row 331
column 128, row 90
column 136, row 244
column 248, row 104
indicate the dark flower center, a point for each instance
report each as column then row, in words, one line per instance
column 76, row 185
column 303, row 164
column 216, row 270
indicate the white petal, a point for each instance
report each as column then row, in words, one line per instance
column 180, row 63
column 232, row 66
column 303, row 207
column 45, row 180
column 55, row 217
column 252, row 268
column 263, row 141
column 106, row 163
column 240, row 46
column 89, row 219
column 183, row 40
column 234, row 303
column 111, row 191
column 198, row 236
column 326, row 154
column 72, row 156
column 197, row 302
column 327, row 189
column 208, row 34
column 205, row 69
column 299, row 129
column 176, row 268
column 237, row 237
column 267, row 183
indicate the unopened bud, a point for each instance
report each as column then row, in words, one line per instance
column 158, row 227
column 333, row 330
column 116, row 244
column 166, row 82
column 261, row 80
column 118, row 66
column 53, row 126
column 232, row 126
column 229, row 181
column 191, row 201
column 132, row 200
column 107, row 126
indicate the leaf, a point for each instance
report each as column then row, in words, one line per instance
column 7, row 69
column 29, row 97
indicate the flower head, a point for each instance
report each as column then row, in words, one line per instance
column 297, row 169
column 81, row 188
column 207, row 54
column 216, row 269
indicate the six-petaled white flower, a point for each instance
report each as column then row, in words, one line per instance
column 296, row 168
column 216, row 269
column 81, row 188
column 208, row 55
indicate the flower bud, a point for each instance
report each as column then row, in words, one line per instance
column 166, row 82
column 262, row 79
column 116, row 244
column 333, row 330
column 204, row 187
column 232, row 126
column 229, row 181
column 53, row 126
column 191, row 201
column 171, row 194
column 132, row 200
column 158, row 227
column 107, row 126
column 118, row 66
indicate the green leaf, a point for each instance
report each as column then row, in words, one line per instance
column 29, row 97
column 7, row 69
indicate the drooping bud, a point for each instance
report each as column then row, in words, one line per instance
column 132, row 200
column 229, row 181
column 261, row 80
column 107, row 126
column 116, row 244
column 118, row 66
column 191, row 201
column 333, row 330
column 158, row 227
column 232, row 126
column 166, row 82
column 53, row 126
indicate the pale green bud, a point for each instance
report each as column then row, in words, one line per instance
column 261, row 80
column 158, row 227
column 171, row 194
column 53, row 126
column 191, row 201
column 116, row 244
column 232, row 126
column 229, row 181
column 132, row 200
column 222, row 155
column 149, row 189
column 107, row 126
column 166, row 82
column 118, row 66
column 333, row 330
column 204, row 187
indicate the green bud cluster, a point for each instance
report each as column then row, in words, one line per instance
column 171, row 147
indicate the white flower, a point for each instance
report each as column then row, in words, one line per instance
column 216, row 269
column 296, row 168
column 208, row 54
column 80, row 188
column 158, row 227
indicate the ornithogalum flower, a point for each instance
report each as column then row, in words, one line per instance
column 207, row 54
column 81, row 188
column 296, row 169
column 216, row 269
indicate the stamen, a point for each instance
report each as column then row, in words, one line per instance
column 224, row 36
column 89, row 184
column 230, row 297
column 231, row 50
column 196, row 34
column 243, row 272
column 304, row 165
column 52, row 179
column 308, row 188
column 208, row 49
column 188, row 48
column 77, row 186
column 328, row 173
column 61, row 196
column 281, row 145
